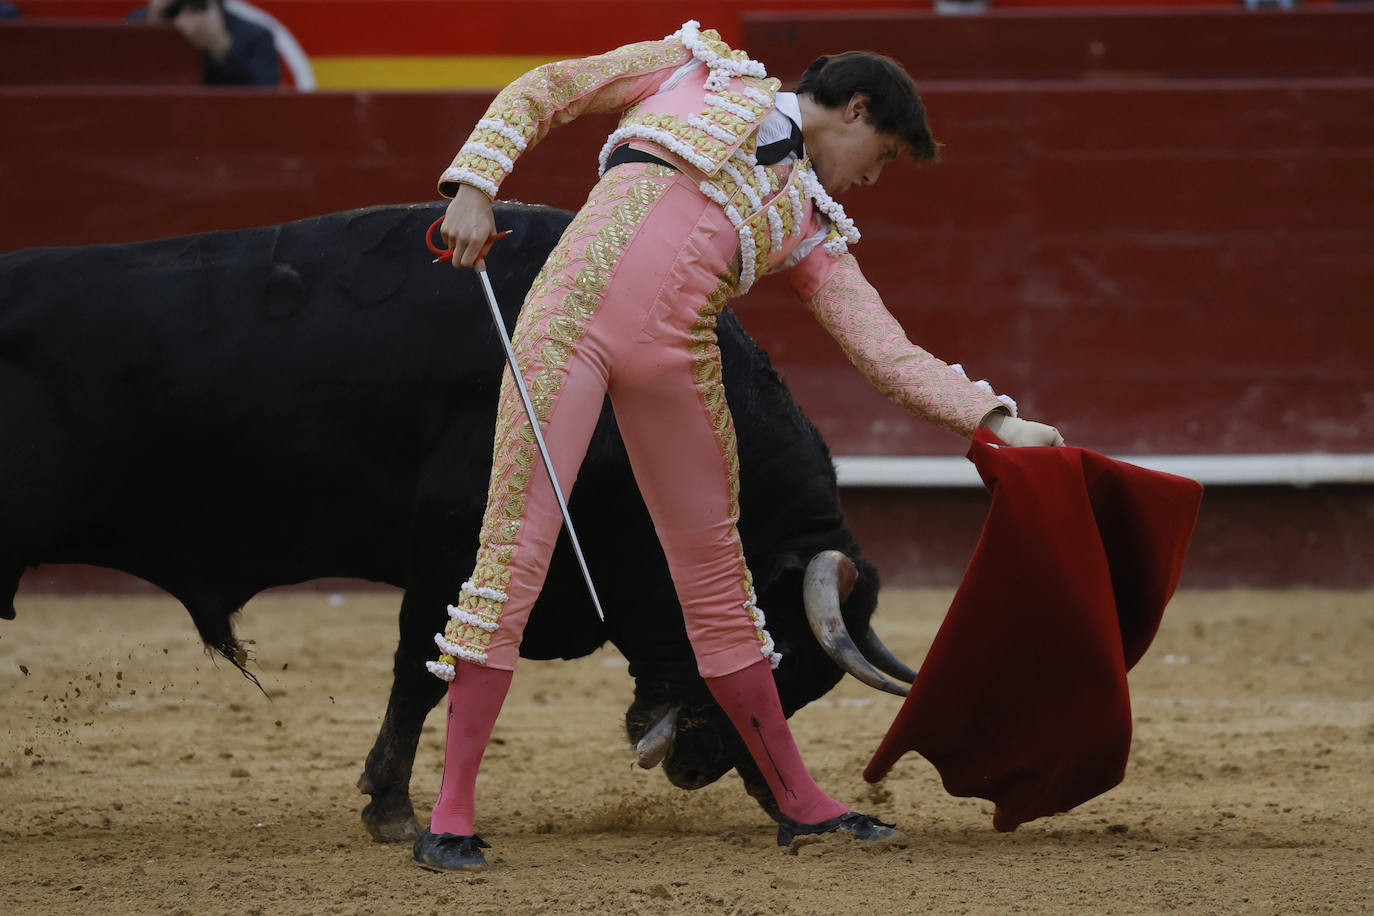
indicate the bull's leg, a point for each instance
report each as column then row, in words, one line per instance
column 9, row 585
column 390, row 817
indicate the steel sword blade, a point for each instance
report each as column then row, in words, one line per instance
column 481, row 269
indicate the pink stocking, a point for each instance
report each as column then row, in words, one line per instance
column 750, row 698
column 474, row 699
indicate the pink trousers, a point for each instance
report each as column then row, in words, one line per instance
column 626, row 305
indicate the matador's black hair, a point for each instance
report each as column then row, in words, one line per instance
column 894, row 107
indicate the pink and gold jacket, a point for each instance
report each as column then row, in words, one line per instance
column 697, row 104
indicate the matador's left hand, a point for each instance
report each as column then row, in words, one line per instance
column 1016, row 432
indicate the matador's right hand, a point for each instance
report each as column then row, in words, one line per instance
column 468, row 226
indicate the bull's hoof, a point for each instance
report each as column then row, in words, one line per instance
column 864, row 827
column 450, row 851
column 397, row 825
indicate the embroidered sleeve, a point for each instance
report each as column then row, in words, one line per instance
column 552, row 95
column 851, row 310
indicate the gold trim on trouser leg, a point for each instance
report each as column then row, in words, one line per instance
column 709, row 378
column 560, row 305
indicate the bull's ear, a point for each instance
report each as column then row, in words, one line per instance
column 785, row 566
column 865, row 593
column 858, row 605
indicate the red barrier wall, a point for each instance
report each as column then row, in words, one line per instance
column 58, row 53
column 483, row 44
column 556, row 27
column 564, row 27
column 1105, row 43
column 1158, row 266
column 1246, row 536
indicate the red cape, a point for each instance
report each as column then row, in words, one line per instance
column 1022, row 699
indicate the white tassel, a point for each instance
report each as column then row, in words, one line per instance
column 442, row 672
column 471, row 619
column 739, row 111
column 445, row 646
column 746, row 255
column 476, row 656
column 775, row 228
column 755, row 201
column 757, row 95
column 473, row 148
column 766, row 645
column 490, row 594
column 501, row 127
column 715, row 130
column 662, row 137
column 985, row 385
column 798, row 213
column 715, row 193
column 848, row 232
column 690, row 36
column 467, row 176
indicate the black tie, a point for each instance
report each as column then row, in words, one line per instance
column 777, row 151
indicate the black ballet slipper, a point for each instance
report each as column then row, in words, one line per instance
column 864, row 827
column 449, row 850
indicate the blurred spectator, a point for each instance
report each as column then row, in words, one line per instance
column 236, row 52
column 8, row 11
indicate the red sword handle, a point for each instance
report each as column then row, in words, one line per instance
column 446, row 254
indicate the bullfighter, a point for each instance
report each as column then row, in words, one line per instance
column 713, row 178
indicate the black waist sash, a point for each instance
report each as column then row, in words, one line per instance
column 627, row 153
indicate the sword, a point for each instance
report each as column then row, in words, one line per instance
column 481, row 268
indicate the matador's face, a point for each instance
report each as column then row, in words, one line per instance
column 853, row 152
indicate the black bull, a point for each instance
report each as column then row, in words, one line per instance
column 223, row 413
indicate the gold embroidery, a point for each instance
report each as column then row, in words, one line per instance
column 601, row 255
column 706, row 371
column 555, row 315
column 580, row 305
column 645, row 192
column 556, row 93
column 590, row 280
column 554, row 352
column 613, row 234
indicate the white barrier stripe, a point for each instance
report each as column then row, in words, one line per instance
column 1298, row 469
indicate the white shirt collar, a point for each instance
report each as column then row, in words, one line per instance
column 787, row 103
column 777, row 125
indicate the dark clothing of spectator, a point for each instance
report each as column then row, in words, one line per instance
column 252, row 60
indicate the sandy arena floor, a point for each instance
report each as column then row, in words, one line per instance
column 138, row 775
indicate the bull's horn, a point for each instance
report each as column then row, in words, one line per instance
column 883, row 659
column 821, row 595
column 871, row 646
column 658, row 740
